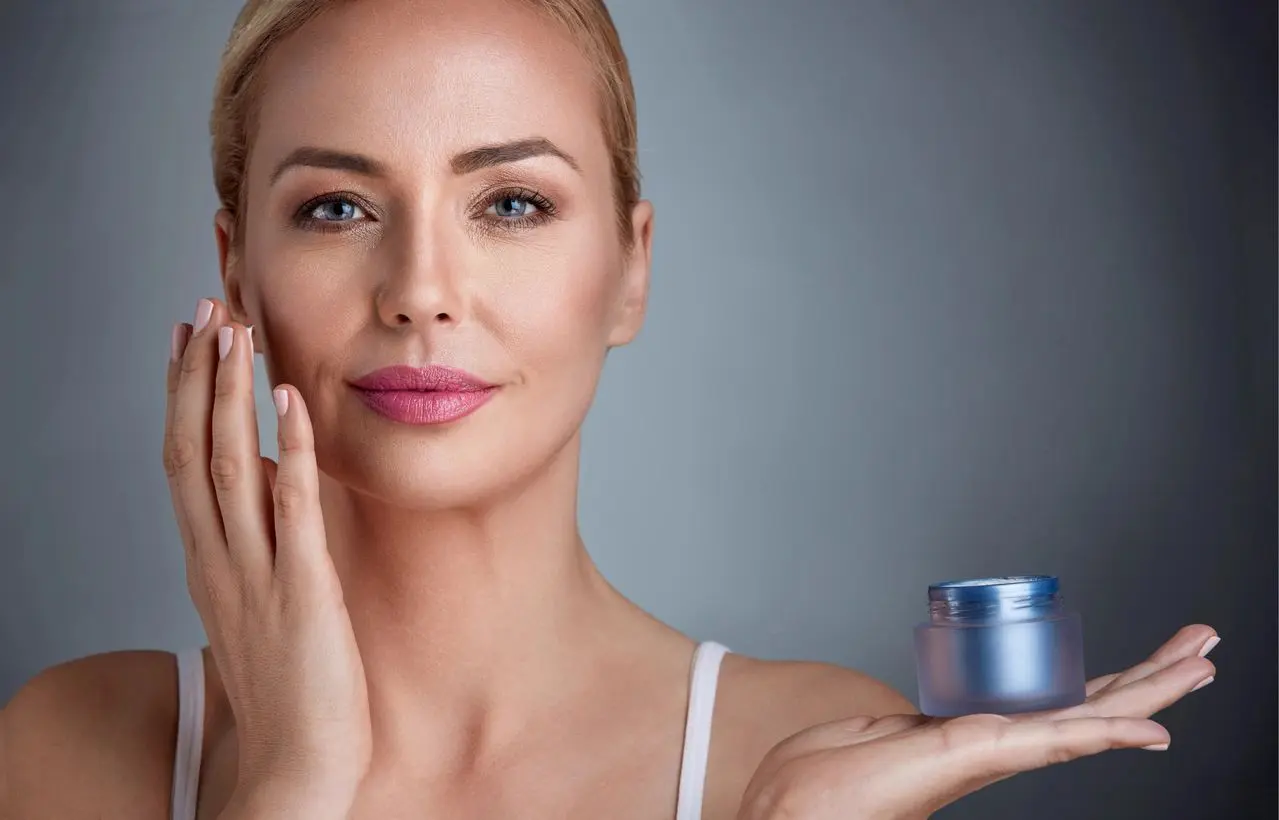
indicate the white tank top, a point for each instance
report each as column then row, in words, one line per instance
column 692, row 774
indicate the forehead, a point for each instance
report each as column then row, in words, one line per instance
column 416, row 81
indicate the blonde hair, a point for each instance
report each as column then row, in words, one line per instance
column 263, row 23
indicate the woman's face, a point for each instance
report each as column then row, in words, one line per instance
column 428, row 183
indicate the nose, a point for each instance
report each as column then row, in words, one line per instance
column 420, row 286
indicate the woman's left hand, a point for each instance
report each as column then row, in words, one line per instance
column 905, row 767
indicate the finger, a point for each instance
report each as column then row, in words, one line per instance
column 1029, row 745
column 235, row 462
column 179, row 337
column 937, row 764
column 301, row 552
column 1025, row 745
column 1189, row 642
column 188, row 444
column 1148, row 695
column 269, row 468
column 1098, row 684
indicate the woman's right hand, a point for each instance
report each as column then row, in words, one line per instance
column 260, row 574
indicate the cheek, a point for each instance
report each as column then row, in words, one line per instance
column 307, row 311
column 552, row 306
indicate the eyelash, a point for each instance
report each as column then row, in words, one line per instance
column 545, row 210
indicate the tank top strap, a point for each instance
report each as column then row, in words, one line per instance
column 190, row 743
column 704, row 680
column 703, row 683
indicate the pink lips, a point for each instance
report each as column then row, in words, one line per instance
column 423, row 395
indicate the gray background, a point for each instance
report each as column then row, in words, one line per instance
column 946, row 289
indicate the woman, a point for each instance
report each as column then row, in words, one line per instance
column 431, row 229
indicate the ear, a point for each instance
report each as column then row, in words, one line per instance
column 229, row 263
column 633, row 301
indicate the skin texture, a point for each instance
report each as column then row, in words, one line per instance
column 498, row 674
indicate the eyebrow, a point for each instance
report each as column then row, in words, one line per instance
column 486, row 156
column 466, row 162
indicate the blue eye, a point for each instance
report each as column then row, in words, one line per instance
column 516, row 207
column 335, row 210
column 330, row 213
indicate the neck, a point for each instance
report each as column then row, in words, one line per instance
column 489, row 611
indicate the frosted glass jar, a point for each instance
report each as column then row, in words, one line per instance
column 998, row 645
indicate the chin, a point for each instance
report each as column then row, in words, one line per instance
column 468, row 465
column 409, row 487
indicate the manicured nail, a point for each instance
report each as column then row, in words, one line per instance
column 226, row 338
column 281, row 397
column 1157, row 747
column 1213, row 641
column 203, row 312
column 1203, row 683
column 178, row 341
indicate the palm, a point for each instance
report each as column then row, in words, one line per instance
column 907, row 766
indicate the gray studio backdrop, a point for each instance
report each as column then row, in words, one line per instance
column 946, row 289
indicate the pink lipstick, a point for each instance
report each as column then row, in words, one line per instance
column 435, row 394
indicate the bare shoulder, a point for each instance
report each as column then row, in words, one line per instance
column 92, row 737
column 760, row 703
column 804, row 693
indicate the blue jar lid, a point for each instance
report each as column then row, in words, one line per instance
column 983, row 590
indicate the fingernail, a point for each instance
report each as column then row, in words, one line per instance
column 203, row 312
column 226, row 336
column 250, row 329
column 1207, row 647
column 1204, row 683
column 177, row 341
column 281, row 397
column 1157, row 747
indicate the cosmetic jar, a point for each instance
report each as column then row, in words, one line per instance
column 998, row 646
